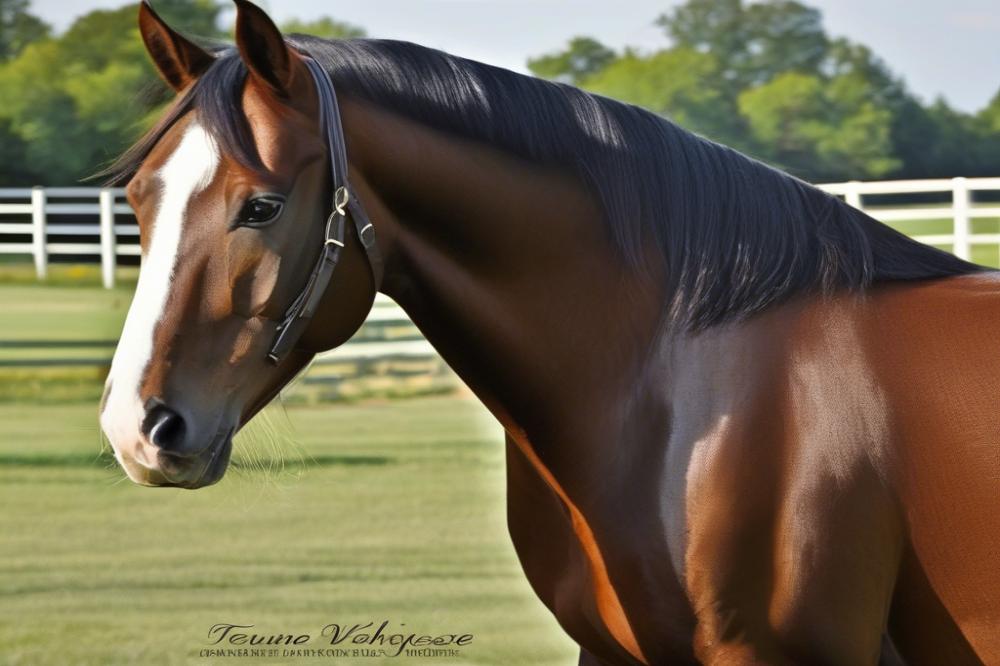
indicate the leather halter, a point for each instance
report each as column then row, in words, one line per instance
column 345, row 205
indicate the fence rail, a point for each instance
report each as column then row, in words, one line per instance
column 43, row 203
column 961, row 209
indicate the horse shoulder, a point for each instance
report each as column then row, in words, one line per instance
column 786, row 534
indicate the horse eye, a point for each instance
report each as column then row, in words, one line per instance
column 260, row 210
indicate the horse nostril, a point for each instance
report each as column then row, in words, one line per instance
column 164, row 428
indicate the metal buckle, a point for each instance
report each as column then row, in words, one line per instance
column 340, row 199
column 327, row 239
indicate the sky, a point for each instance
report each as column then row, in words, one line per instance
column 942, row 48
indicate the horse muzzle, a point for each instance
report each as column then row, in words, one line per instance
column 148, row 465
column 159, row 445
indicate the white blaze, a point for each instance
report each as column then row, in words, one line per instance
column 186, row 172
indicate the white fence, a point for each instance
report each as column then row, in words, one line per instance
column 41, row 204
column 961, row 209
column 41, row 209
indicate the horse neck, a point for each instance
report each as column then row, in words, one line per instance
column 507, row 269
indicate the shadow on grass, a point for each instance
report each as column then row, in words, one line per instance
column 106, row 460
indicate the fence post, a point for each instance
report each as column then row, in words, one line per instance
column 853, row 194
column 961, row 205
column 106, row 200
column 38, row 241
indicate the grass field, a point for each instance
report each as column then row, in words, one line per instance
column 377, row 512
column 366, row 512
column 61, row 310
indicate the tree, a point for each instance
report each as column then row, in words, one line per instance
column 783, row 36
column 708, row 26
column 76, row 100
column 989, row 117
column 15, row 169
column 823, row 129
column 324, row 27
column 956, row 144
column 18, row 28
column 73, row 102
column 679, row 83
column 986, row 125
column 753, row 43
column 765, row 78
column 581, row 59
column 784, row 116
column 98, row 38
column 194, row 18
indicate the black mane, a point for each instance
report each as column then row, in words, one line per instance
column 737, row 236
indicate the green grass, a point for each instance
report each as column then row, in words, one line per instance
column 35, row 310
column 19, row 270
column 31, row 310
column 376, row 511
column 379, row 511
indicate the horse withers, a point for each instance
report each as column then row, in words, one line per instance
column 746, row 423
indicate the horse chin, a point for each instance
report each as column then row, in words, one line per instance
column 214, row 467
column 191, row 473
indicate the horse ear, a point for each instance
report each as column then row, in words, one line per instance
column 263, row 49
column 178, row 60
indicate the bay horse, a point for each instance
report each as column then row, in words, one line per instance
column 746, row 423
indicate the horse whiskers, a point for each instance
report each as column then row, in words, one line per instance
column 264, row 445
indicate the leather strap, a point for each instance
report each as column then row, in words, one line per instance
column 345, row 205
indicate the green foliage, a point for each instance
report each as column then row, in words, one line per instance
column 195, row 18
column 74, row 101
column 752, row 42
column 765, row 77
column 18, row 28
column 827, row 128
column 709, row 26
column 324, row 27
column 989, row 117
column 14, row 150
column 783, row 113
column 582, row 58
column 960, row 143
column 671, row 83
